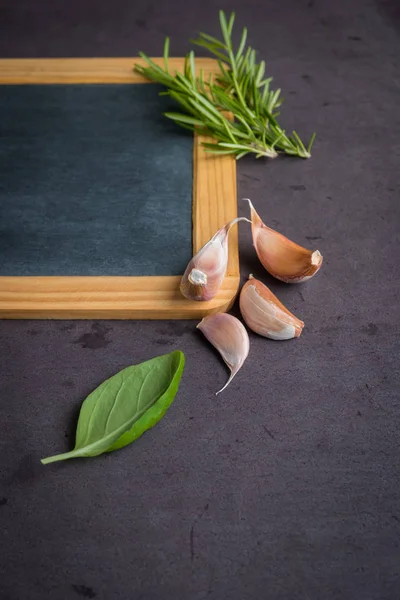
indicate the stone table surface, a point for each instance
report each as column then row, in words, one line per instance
column 284, row 487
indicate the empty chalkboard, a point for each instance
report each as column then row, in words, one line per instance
column 94, row 181
column 102, row 199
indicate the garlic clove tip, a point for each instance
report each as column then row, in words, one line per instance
column 231, row 376
column 316, row 258
column 198, row 277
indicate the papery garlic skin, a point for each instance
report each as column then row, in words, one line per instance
column 205, row 272
column 265, row 314
column 229, row 336
column 281, row 257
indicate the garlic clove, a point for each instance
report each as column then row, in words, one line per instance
column 227, row 334
column 281, row 257
column 205, row 272
column 265, row 314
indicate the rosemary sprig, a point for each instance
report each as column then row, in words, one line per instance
column 239, row 89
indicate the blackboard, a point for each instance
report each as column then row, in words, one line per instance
column 102, row 199
column 93, row 181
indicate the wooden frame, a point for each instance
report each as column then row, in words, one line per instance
column 214, row 204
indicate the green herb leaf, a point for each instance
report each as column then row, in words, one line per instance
column 166, row 54
column 125, row 406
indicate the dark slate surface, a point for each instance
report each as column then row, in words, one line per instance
column 286, row 486
column 86, row 175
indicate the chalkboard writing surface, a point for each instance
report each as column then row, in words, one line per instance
column 94, row 181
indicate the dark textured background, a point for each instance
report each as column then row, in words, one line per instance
column 93, row 179
column 286, row 486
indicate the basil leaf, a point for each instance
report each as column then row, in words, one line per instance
column 123, row 407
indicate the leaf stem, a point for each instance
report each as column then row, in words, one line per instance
column 57, row 457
